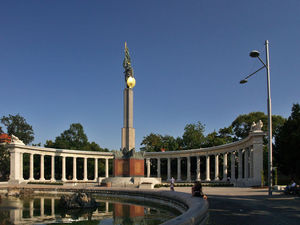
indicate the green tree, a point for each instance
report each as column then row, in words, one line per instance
column 152, row 143
column 180, row 143
column 18, row 126
column 287, row 144
column 73, row 138
column 1, row 131
column 193, row 136
column 169, row 143
column 223, row 136
column 242, row 124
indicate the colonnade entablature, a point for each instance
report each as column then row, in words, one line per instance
column 240, row 163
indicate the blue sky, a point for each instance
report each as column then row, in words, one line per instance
column 61, row 63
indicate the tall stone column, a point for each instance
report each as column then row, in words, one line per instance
column 251, row 162
column 246, row 165
column 85, row 178
column 52, row 168
column 216, row 167
column 42, row 170
column 63, row 168
column 128, row 132
column 31, row 178
column 21, row 167
column 207, row 168
column 169, row 169
column 158, row 168
column 148, row 167
column 178, row 169
column 225, row 167
column 188, row 169
column 96, row 170
column 240, row 171
column 106, row 168
column 232, row 156
column 74, row 169
column 198, row 178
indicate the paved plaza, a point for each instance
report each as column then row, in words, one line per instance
column 248, row 206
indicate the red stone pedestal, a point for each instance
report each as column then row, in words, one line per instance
column 128, row 167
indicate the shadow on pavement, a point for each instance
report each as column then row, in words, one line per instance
column 256, row 209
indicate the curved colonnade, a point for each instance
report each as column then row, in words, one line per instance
column 245, row 158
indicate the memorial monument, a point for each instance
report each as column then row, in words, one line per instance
column 127, row 162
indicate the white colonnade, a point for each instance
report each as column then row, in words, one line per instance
column 239, row 162
column 57, row 156
column 245, row 159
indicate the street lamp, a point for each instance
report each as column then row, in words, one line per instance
column 255, row 54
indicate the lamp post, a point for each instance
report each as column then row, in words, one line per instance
column 255, row 54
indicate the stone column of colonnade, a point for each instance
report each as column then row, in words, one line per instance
column 85, row 178
column 63, row 167
column 169, row 169
column 31, row 178
column 74, row 169
column 240, row 164
column 207, row 168
column 158, row 168
column 216, row 167
column 198, row 177
column 52, row 168
column 232, row 157
column 246, row 163
column 148, row 167
column 96, row 170
column 42, row 177
column 178, row 169
column 188, row 169
column 225, row 166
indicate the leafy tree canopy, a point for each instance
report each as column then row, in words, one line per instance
column 74, row 138
column 152, row 143
column 214, row 139
column 18, row 126
column 157, row 143
column 193, row 136
column 242, row 124
column 287, row 144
